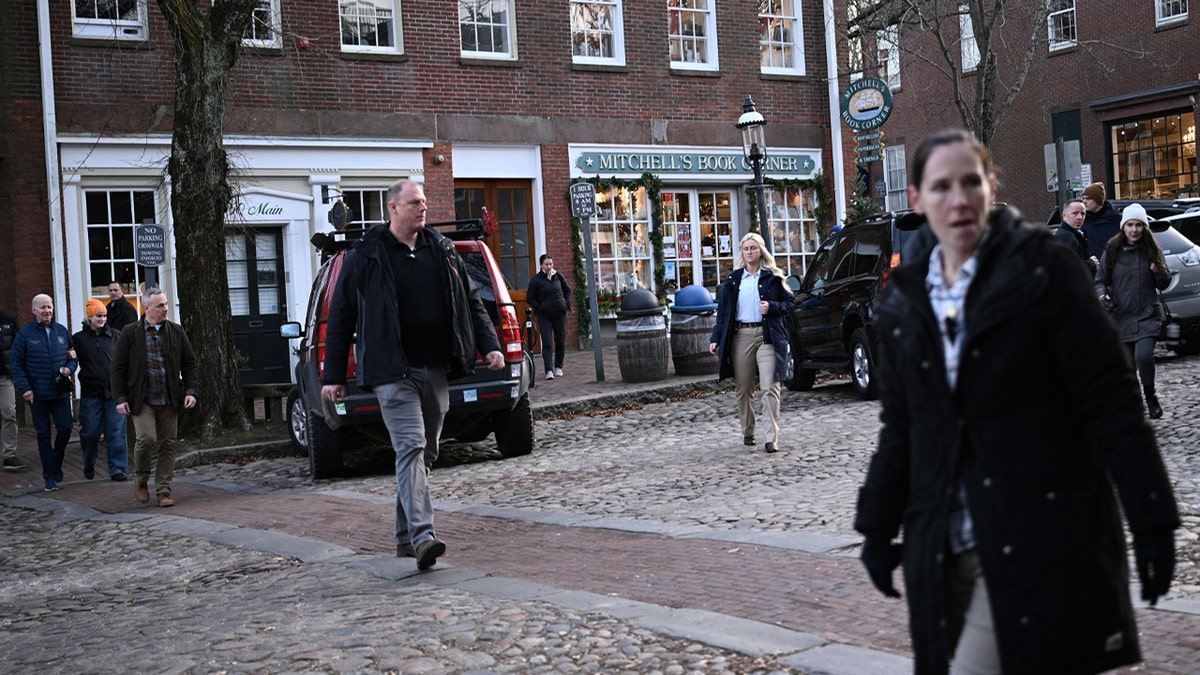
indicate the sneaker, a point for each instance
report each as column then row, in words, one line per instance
column 51, row 486
column 119, row 477
column 89, row 472
column 13, row 464
column 558, row 372
column 549, row 374
column 428, row 553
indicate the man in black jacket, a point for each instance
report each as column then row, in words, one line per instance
column 1101, row 222
column 120, row 312
column 8, row 395
column 418, row 317
column 1071, row 234
column 97, row 408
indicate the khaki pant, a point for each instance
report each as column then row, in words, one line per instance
column 754, row 364
column 8, row 418
column 156, row 428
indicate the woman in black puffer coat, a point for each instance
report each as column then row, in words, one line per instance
column 1132, row 271
column 550, row 297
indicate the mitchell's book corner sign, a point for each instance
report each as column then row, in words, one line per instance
column 866, row 104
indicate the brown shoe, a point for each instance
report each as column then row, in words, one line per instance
column 165, row 500
column 141, row 492
column 405, row 551
column 428, row 552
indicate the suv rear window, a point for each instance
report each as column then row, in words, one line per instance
column 1172, row 242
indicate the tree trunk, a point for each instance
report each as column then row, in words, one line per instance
column 205, row 52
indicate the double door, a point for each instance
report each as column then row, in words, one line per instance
column 700, row 236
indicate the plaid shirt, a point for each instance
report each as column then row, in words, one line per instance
column 156, row 368
column 949, row 306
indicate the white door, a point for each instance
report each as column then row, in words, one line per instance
column 699, row 236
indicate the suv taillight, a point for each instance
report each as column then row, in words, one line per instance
column 893, row 263
column 351, row 364
column 510, row 333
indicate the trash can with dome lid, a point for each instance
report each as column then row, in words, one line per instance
column 642, row 342
column 693, row 316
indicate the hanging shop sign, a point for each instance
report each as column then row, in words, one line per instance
column 866, row 104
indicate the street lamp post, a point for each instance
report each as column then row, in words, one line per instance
column 754, row 147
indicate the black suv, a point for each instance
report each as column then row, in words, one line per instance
column 833, row 323
column 484, row 403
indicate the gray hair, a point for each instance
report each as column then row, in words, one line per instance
column 150, row 293
column 38, row 297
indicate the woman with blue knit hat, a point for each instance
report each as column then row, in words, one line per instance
column 1132, row 271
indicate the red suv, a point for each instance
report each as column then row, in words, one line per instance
column 481, row 404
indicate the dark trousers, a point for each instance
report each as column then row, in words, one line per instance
column 556, row 326
column 58, row 410
column 1142, row 353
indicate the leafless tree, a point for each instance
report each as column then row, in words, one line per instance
column 206, row 38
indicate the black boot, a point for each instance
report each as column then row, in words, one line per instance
column 1152, row 407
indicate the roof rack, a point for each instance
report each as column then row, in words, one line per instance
column 329, row 243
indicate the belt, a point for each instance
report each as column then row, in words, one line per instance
column 737, row 325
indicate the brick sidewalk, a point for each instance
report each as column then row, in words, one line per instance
column 822, row 594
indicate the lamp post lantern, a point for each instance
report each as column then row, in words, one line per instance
column 754, row 147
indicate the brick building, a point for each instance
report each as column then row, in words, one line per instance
column 492, row 103
column 1120, row 78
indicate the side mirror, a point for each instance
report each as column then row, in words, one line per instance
column 291, row 330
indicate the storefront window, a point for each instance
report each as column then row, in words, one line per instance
column 1155, row 158
column 621, row 241
column 111, row 216
column 794, row 237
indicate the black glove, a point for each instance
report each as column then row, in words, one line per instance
column 1155, row 555
column 881, row 557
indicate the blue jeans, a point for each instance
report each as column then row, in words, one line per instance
column 413, row 409
column 96, row 416
column 52, row 455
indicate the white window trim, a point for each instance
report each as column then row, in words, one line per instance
column 112, row 29
column 397, row 35
column 511, row 32
column 797, row 42
column 892, row 155
column 710, row 39
column 276, row 28
column 1056, row 45
column 618, row 37
column 968, row 45
column 1160, row 20
column 890, row 37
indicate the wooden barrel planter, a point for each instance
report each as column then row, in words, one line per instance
column 689, row 343
column 642, row 354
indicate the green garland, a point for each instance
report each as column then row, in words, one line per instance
column 653, row 187
column 818, row 184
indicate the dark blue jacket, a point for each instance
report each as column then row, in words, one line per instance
column 365, row 302
column 1101, row 226
column 36, row 361
column 775, row 332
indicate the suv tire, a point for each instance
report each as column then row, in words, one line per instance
column 324, row 448
column 862, row 364
column 514, row 429
column 297, row 422
column 803, row 379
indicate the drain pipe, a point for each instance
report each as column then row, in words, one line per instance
column 835, row 119
column 53, row 171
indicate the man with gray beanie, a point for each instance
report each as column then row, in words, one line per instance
column 1101, row 222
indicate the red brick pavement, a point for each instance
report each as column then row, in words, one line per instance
column 814, row 593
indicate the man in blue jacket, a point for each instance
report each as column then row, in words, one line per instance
column 41, row 352
column 419, row 320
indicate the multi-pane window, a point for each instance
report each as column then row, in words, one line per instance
column 263, row 30
column 794, row 237
column 1166, row 11
column 596, row 32
column 895, row 174
column 887, row 42
column 486, row 28
column 110, row 217
column 367, row 207
column 968, row 46
column 781, row 37
column 371, row 26
column 692, row 34
column 621, row 241
column 1155, row 157
column 1060, row 24
column 120, row 19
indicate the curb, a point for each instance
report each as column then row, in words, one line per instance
column 658, row 394
column 272, row 449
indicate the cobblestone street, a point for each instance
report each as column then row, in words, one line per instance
column 645, row 539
